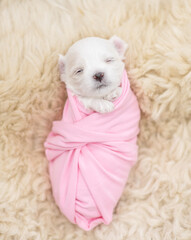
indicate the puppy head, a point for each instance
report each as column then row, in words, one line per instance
column 93, row 66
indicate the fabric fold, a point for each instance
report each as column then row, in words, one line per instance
column 90, row 155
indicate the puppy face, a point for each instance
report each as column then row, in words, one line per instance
column 93, row 66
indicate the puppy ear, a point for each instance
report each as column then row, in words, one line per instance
column 120, row 45
column 61, row 64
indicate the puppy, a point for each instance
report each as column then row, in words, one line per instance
column 92, row 69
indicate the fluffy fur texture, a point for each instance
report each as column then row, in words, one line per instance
column 156, row 203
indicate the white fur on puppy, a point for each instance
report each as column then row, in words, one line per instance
column 92, row 69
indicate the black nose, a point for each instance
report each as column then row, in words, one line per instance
column 98, row 76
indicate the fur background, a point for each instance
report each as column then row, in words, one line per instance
column 156, row 203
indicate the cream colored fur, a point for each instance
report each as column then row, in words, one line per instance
column 156, row 203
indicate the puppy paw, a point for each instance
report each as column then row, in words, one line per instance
column 114, row 94
column 103, row 106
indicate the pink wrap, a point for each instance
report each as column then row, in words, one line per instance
column 90, row 155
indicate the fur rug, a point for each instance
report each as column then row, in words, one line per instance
column 156, row 203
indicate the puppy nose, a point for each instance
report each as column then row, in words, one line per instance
column 98, row 76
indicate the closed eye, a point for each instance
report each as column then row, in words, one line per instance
column 78, row 71
column 108, row 60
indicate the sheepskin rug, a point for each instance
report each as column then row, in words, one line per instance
column 156, row 203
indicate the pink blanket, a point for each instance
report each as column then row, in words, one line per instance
column 90, row 155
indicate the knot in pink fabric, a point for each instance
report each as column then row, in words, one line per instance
column 90, row 155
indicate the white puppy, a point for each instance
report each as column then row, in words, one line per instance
column 92, row 69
